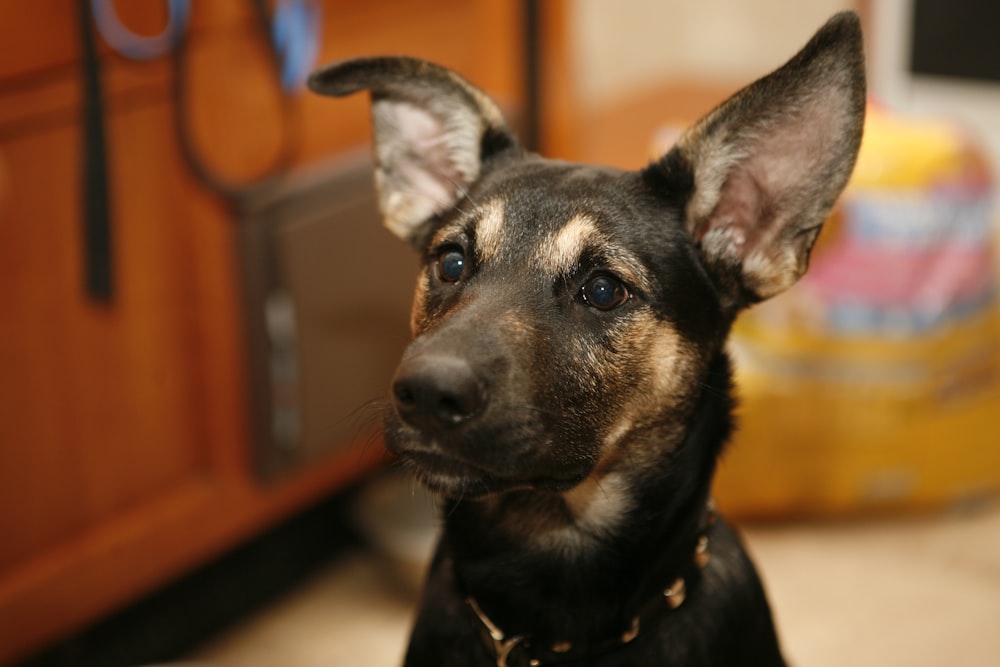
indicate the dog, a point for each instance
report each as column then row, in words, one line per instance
column 567, row 392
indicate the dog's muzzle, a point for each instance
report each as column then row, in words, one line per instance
column 464, row 418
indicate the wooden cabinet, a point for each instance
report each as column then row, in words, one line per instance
column 124, row 426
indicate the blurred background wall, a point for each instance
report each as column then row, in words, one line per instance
column 621, row 49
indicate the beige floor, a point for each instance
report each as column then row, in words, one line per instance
column 914, row 592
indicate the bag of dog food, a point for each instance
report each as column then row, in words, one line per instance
column 875, row 382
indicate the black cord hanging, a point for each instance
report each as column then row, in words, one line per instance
column 98, row 253
column 231, row 191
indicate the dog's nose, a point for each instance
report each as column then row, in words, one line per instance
column 434, row 393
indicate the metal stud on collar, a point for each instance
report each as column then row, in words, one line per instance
column 701, row 555
column 502, row 646
column 676, row 593
column 632, row 632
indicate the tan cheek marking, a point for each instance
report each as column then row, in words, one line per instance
column 636, row 337
column 418, row 312
column 620, row 429
column 489, row 231
column 669, row 363
column 667, row 368
column 563, row 249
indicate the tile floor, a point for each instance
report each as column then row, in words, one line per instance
column 919, row 592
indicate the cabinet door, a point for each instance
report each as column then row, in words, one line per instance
column 102, row 412
column 123, row 426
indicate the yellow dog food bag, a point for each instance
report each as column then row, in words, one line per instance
column 874, row 384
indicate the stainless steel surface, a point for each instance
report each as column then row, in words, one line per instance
column 327, row 295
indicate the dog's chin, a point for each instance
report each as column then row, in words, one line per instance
column 456, row 479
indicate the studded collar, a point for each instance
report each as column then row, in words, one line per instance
column 520, row 651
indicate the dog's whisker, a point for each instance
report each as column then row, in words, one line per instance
column 363, row 423
column 454, row 504
column 463, row 192
column 600, row 487
column 712, row 389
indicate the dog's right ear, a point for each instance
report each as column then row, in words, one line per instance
column 764, row 168
column 432, row 132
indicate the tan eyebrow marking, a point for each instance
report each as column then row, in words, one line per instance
column 562, row 250
column 487, row 227
column 489, row 231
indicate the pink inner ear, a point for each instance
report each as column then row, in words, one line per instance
column 423, row 160
column 774, row 185
column 736, row 215
column 769, row 162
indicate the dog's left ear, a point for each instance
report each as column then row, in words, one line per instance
column 433, row 130
column 765, row 167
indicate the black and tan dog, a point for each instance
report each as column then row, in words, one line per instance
column 568, row 391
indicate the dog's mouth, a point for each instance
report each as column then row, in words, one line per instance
column 479, row 457
column 450, row 476
column 432, row 466
column 459, row 479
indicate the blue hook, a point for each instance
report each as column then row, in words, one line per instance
column 132, row 45
column 295, row 34
column 296, row 38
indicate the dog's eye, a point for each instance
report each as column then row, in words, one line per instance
column 604, row 292
column 451, row 265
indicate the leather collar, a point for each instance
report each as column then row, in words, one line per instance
column 520, row 651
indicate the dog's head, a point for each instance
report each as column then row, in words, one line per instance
column 566, row 316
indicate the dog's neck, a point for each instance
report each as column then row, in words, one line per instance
column 602, row 582
column 602, row 549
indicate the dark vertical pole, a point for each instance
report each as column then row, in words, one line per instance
column 532, row 75
column 96, row 213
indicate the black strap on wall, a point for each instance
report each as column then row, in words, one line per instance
column 531, row 127
column 96, row 213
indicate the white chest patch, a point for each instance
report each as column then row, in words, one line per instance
column 597, row 507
